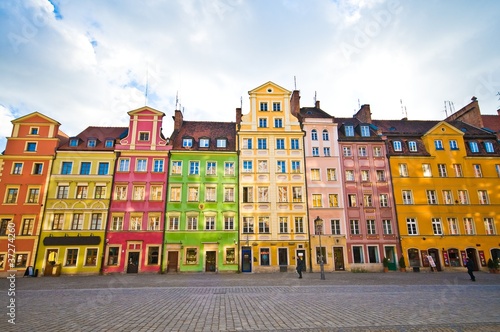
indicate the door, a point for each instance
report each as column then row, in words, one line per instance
column 283, row 259
column 246, row 259
column 133, row 262
column 338, row 256
column 210, row 262
column 302, row 253
column 471, row 253
column 50, row 261
column 434, row 253
column 173, row 260
column 390, row 253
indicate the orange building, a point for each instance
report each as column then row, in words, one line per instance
column 24, row 172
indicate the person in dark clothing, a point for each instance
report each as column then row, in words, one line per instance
column 470, row 269
column 301, row 266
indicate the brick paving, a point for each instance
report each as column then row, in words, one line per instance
column 345, row 301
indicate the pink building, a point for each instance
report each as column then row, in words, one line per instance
column 134, row 237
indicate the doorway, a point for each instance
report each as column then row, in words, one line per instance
column 283, row 259
column 471, row 253
column 338, row 257
column 210, row 261
column 434, row 253
column 390, row 254
column 173, row 259
column 246, row 259
column 133, row 262
column 50, row 261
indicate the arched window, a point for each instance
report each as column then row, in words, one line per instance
column 325, row 135
column 314, row 135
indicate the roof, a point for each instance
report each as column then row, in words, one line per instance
column 205, row 129
column 99, row 134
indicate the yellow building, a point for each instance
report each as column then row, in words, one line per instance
column 273, row 208
column 446, row 178
column 76, row 210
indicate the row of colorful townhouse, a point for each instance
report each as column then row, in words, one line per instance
column 281, row 182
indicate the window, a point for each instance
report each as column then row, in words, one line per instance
column 71, row 257
column 193, row 194
column 489, row 226
column 228, row 194
column 117, row 223
column 66, row 167
column 349, row 131
column 3, row 226
column 109, row 143
column 278, row 123
column 210, row 194
column 120, row 193
column 315, row 174
column 397, row 146
column 113, row 255
column 280, row 144
column 384, row 200
column 333, row 200
column 380, row 175
column 426, row 168
column 488, row 146
column 365, row 175
column 141, row 165
column 27, row 228
column 263, row 106
column 230, row 256
column 261, row 143
column 158, row 165
column 187, row 142
column 17, row 169
column 447, row 197
column 326, row 136
column 317, row 200
column 247, row 195
column 370, row 227
column 463, row 197
column 37, row 168
column 82, row 191
column 354, row 225
column 77, row 221
column 403, row 170
column 407, row 197
column 211, row 168
column 483, row 197
column 431, row 197
column 96, row 221
column 31, row 147
column 153, row 255
column 377, row 151
column 21, row 260
column 58, row 221
column 347, row 151
column 294, row 144
column 221, row 142
column 204, row 142
column 229, row 168
column 469, row 226
column 155, row 193
column 326, row 152
column 209, row 223
column 33, row 131
column 73, row 142
column 124, row 165
column 135, row 223
column 138, row 193
column 453, row 144
column 296, row 166
column 349, row 175
column 474, row 147
column 367, row 199
column 154, row 223
column 351, row 200
column 362, row 151
column 264, row 256
column 437, row 228
column 85, row 168
column 262, row 122
column 282, row 194
column 412, row 146
column 457, row 168
column 478, row 173
column 442, row 171
column 297, row 194
column 335, row 224
column 33, row 194
column 173, row 223
column 365, row 131
column 299, row 225
column 315, row 152
column 411, row 224
column 91, row 143
column 191, row 255
column 387, row 226
column 248, row 225
column 331, row 174
column 228, row 223
column 247, row 143
column 194, row 168
column 176, row 167
column 314, row 135
column 276, row 106
column 263, row 194
column 263, row 166
column 62, row 191
column 438, row 144
column 373, row 254
column 263, row 224
column 357, row 253
column 453, row 226
column 91, row 257
column 103, row 168
column 283, row 223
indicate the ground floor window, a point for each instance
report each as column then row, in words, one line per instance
column 191, row 256
column 373, row 254
column 91, row 258
column 71, row 257
column 357, row 252
column 454, row 257
column 21, row 260
column 153, row 253
column 230, row 256
column 320, row 253
column 414, row 257
column 264, row 256
column 113, row 255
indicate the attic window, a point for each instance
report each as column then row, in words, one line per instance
column 109, row 143
column 187, row 142
column 144, row 136
column 269, row 90
column 204, row 142
column 488, row 146
column 349, row 131
column 91, row 143
column 73, row 142
column 33, row 131
column 221, row 142
column 365, row 131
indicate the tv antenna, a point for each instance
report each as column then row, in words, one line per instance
column 295, row 82
column 449, row 105
column 147, row 85
column 403, row 109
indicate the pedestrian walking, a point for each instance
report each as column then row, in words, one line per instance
column 470, row 268
column 301, row 266
column 431, row 263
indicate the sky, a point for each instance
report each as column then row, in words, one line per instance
column 87, row 63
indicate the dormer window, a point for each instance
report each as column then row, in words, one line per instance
column 397, row 146
column 204, row 142
column 365, row 131
column 73, row 142
column 144, row 136
column 34, row 131
column 91, row 143
column 109, row 143
column 349, row 131
column 488, row 146
column 221, row 142
column 473, row 147
column 187, row 143
column 412, row 145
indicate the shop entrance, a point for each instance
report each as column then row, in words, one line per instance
column 173, row 259
column 338, row 256
column 133, row 262
column 246, row 259
column 50, row 261
column 434, row 253
column 471, row 253
column 210, row 262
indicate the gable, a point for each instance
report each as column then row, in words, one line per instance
column 269, row 88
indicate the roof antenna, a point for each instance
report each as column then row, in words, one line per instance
column 147, row 85
column 314, row 97
column 403, row 109
column 359, row 104
column 241, row 102
column 295, row 82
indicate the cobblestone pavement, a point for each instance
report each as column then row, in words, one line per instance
column 255, row 302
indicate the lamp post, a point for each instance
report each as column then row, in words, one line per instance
column 318, row 222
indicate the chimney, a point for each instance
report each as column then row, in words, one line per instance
column 178, row 118
column 238, row 115
column 295, row 103
column 364, row 114
column 317, row 104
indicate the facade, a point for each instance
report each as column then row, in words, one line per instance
column 324, row 188
column 202, row 205
column 369, row 205
column 135, row 227
column 446, row 185
column 24, row 176
column 76, row 209
column 273, row 207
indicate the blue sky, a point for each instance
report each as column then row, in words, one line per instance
column 87, row 62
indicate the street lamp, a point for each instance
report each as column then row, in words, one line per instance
column 318, row 223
